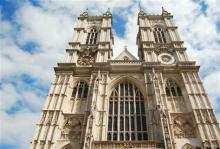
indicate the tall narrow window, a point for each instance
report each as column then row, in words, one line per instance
column 92, row 36
column 172, row 89
column 80, row 91
column 159, row 35
column 129, row 119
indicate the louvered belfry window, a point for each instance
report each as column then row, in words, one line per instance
column 126, row 120
column 92, row 36
column 80, row 91
column 159, row 35
column 172, row 89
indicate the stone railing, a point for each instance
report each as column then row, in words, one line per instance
column 126, row 145
column 125, row 62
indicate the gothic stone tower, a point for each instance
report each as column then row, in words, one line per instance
column 157, row 101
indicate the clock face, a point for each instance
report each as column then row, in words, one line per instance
column 166, row 58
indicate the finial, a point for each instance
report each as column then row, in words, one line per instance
column 139, row 5
column 126, row 47
column 141, row 12
column 107, row 13
column 85, row 13
column 164, row 12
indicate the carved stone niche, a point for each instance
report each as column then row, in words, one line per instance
column 183, row 127
column 86, row 56
column 72, row 128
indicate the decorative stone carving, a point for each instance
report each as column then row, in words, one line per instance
column 166, row 58
column 88, row 141
column 86, row 57
column 164, row 12
column 107, row 13
column 182, row 127
column 159, row 48
column 72, row 128
column 85, row 13
column 188, row 146
column 141, row 13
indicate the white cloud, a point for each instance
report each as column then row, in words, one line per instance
column 8, row 96
column 131, row 30
column 11, row 94
column 17, row 129
column 212, row 82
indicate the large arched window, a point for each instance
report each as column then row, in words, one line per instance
column 80, row 91
column 126, row 120
column 159, row 35
column 172, row 89
column 92, row 36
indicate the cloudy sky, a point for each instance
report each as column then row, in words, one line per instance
column 34, row 35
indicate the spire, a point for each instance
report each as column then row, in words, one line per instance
column 141, row 12
column 125, row 48
column 107, row 13
column 139, row 5
column 164, row 12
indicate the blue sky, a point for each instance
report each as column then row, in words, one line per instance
column 34, row 36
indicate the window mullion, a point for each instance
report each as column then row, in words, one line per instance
column 119, row 121
column 135, row 112
column 129, row 110
column 77, row 90
column 83, row 87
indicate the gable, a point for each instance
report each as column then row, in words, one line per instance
column 125, row 55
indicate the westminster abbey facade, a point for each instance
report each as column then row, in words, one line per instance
column 155, row 101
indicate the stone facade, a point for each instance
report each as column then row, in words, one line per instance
column 156, row 101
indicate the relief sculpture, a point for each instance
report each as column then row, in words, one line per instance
column 183, row 127
column 86, row 57
column 72, row 129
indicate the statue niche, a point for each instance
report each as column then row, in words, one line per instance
column 183, row 127
column 72, row 129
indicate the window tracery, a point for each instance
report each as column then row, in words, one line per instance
column 159, row 35
column 80, row 91
column 172, row 89
column 92, row 36
column 126, row 120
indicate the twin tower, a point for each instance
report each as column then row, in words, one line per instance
column 156, row 101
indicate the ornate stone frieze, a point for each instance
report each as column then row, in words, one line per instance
column 182, row 126
column 86, row 56
column 135, row 145
column 72, row 128
column 159, row 48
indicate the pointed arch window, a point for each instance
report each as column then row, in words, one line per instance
column 128, row 123
column 92, row 36
column 159, row 35
column 80, row 91
column 172, row 89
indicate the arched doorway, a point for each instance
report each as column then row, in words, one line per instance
column 68, row 146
